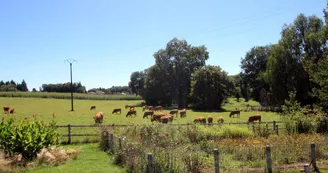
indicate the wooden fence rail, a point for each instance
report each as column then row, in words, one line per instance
column 70, row 126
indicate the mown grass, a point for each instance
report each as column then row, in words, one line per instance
column 79, row 96
column 91, row 160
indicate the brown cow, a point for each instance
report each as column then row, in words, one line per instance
column 6, row 109
column 98, row 117
column 148, row 113
column 158, row 108
column 130, row 113
column 183, row 113
column 175, row 111
column 144, row 108
column 93, row 108
column 166, row 118
column 151, row 108
column 233, row 113
column 117, row 111
column 129, row 106
column 200, row 120
column 220, row 119
column 12, row 111
column 157, row 116
column 254, row 118
column 210, row 119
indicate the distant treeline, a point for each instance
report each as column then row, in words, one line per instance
column 12, row 86
column 112, row 90
column 63, row 88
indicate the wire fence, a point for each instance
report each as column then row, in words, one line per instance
column 227, row 159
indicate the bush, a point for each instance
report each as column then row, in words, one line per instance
column 27, row 138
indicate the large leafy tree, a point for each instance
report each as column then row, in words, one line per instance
column 253, row 66
column 178, row 61
column 209, row 87
column 286, row 65
column 136, row 83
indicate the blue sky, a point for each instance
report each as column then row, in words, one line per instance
column 111, row 39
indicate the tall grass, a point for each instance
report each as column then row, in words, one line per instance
column 79, row 96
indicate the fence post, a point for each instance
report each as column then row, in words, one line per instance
column 277, row 132
column 268, row 158
column 111, row 140
column 274, row 125
column 306, row 168
column 150, row 163
column 313, row 156
column 120, row 142
column 216, row 161
column 69, row 134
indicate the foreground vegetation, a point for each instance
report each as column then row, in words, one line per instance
column 190, row 149
column 79, row 96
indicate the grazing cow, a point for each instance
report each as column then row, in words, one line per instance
column 254, row 118
column 220, row 119
column 144, row 108
column 93, row 108
column 130, row 113
column 210, row 119
column 148, row 113
column 235, row 112
column 200, row 120
column 129, row 106
column 166, row 118
column 6, row 109
column 117, row 111
column 157, row 116
column 98, row 117
column 131, row 109
column 151, row 108
column 12, row 111
column 175, row 111
column 158, row 108
column 183, row 113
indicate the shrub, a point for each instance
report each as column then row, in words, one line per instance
column 27, row 138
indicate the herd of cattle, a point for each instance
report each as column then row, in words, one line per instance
column 156, row 114
column 7, row 110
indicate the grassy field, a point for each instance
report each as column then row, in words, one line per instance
column 43, row 109
column 91, row 160
column 79, row 96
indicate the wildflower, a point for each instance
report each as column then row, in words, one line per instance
column 3, row 118
column 139, row 137
column 148, row 134
column 167, row 135
column 53, row 114
column 178, row 143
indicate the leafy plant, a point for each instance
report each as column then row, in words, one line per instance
column 27, row 138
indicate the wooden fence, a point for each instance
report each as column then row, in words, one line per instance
column 70, row 126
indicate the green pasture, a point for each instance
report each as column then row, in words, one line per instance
column 43, row 109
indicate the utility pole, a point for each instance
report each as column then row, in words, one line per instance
column 71, row 61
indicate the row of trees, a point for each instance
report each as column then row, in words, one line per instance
column 180, row 76
column 298, row 62
column 13, row 86
column 112, row 90
column 63, row 87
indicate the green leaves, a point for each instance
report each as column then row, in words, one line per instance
column 26, row 138
column 209, row 87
